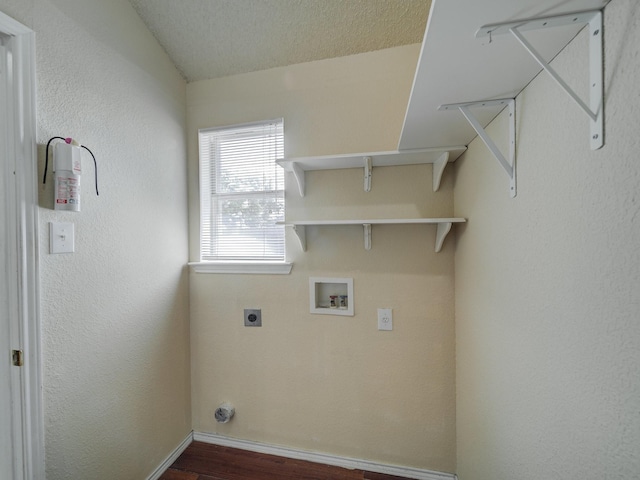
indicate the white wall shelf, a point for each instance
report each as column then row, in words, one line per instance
column 592, row 18
column 439, row 157
column 473, row 68
column 478, row 67
column 443, row 227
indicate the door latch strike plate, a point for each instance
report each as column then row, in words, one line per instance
column 17, row 358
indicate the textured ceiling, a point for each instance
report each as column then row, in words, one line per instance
column 216, row 38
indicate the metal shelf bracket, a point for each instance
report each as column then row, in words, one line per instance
column 509, row 166
column 596, row 75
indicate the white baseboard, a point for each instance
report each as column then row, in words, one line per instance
column 157, row 473
column 351, row 463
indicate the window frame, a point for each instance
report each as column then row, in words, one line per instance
column 249, row 266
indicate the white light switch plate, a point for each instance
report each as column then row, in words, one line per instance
column 61, row 237
column 385, row 319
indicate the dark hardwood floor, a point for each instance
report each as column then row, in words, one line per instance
column 202, row 461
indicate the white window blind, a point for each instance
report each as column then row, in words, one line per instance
column 242, row 193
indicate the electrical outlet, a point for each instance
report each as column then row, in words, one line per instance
column 252, row 317
column 385, row 319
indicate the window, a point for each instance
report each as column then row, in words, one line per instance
column 242, row 193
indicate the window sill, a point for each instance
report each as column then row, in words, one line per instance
column 252, row 268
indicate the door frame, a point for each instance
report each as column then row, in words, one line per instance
column 25, row 230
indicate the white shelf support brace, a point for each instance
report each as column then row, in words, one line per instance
column 509, row 166
column 367, row 236
column 443, row 230
column 367, row 174
column 438, row 169
column 301, row 233
column 596, row 72
column 298, row 172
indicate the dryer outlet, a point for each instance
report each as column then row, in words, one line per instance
column 252, row 317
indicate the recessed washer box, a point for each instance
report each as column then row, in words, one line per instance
column 331, row 296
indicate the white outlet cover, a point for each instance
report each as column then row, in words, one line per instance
column 385, row 319
column 61, row 237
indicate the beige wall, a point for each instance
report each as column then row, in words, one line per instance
column 327, row 383
column 548, row 283
column 115, row 313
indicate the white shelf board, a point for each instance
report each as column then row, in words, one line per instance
column 387, row 221
column 444, row 226
column 378, row 159
column 439, row 157
column 455, row 66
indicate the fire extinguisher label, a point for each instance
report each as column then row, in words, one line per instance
column 67, row 192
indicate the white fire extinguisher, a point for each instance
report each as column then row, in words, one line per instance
column 67, row 168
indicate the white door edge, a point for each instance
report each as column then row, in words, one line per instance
column 25, row 230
